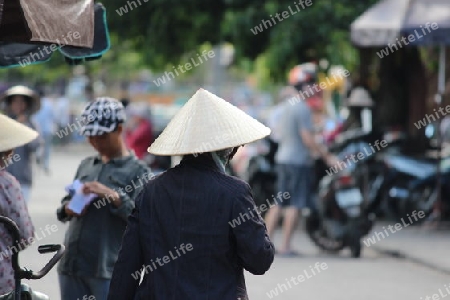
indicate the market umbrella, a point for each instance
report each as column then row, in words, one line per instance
column 31, row 30
column 408, row 23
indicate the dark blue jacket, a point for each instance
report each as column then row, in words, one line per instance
column 193, row 204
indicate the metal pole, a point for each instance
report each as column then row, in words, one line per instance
column 438, row 99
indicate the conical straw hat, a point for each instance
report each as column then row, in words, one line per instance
column 207, row 123
column 14, row 134
column 34, row 100
column 360, row 97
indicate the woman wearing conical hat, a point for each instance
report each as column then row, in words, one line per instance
column 12, row 203
column 195, row 229
column 19, row 103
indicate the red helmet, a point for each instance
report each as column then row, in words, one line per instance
column 303, row 74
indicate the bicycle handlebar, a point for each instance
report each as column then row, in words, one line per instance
column 46, row 249
column 11, row 226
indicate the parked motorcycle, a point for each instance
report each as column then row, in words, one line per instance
column 345, row 195
column 400, row 172
column 261, row 174
column 413, row 183
column 23, row 291
column 339, row 220
column 422, row 193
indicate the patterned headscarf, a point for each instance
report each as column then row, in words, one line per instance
column 102, row 116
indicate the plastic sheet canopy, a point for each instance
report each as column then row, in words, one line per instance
column 31, row 30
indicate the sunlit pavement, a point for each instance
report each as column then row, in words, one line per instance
column 377, row 275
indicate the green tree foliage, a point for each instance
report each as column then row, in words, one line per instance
column 162, row 33
column 164, row 30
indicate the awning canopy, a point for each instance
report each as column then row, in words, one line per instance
column 389, row 20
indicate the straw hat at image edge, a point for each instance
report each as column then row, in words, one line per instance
column 360, row 97
column 207, row 123
column 22, row 90
column 14, row 134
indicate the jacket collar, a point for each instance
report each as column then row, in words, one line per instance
column 202, row 161
column 119, row 161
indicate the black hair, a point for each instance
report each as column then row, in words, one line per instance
column 28, row 100
column 301, row 86
column 125, row 102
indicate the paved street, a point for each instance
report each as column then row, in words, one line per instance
column 376, row 276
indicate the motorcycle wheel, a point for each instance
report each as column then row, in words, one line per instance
column 391, row 208
column 263, row 186
column 423, row 199
column 319, row 236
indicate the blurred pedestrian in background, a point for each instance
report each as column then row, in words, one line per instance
column 358, row 100
column 275, row 119
column 116, row 176
column 12, row 204
column 45, row 120
column 20, row 103
column 276, row 114
column 62, row 109
column 89, row 92
column 125, row 103
column 139, row 129
column 295, row 163
column 318, row 117
column 197, row 212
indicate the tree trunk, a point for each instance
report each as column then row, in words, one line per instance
column 391, row 101
column 417, row 88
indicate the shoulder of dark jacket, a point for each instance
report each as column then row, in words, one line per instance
column 236, row 183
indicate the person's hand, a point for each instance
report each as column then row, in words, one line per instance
column 331, row 160
column 71, row 213
column 97, row 188
column 102, row 191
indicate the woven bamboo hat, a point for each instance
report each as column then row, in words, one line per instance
column 31, row 97
column 360, row 97
column 14, row 134
column 207, row 123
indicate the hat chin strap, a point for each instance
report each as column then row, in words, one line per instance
column 221, row 163
column 233, row 152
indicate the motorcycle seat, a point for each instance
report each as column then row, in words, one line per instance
column 411, row 166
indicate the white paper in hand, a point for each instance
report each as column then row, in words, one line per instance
column 79, row 199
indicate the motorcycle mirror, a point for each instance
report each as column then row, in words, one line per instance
column 429, row 131
column 366, row 118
